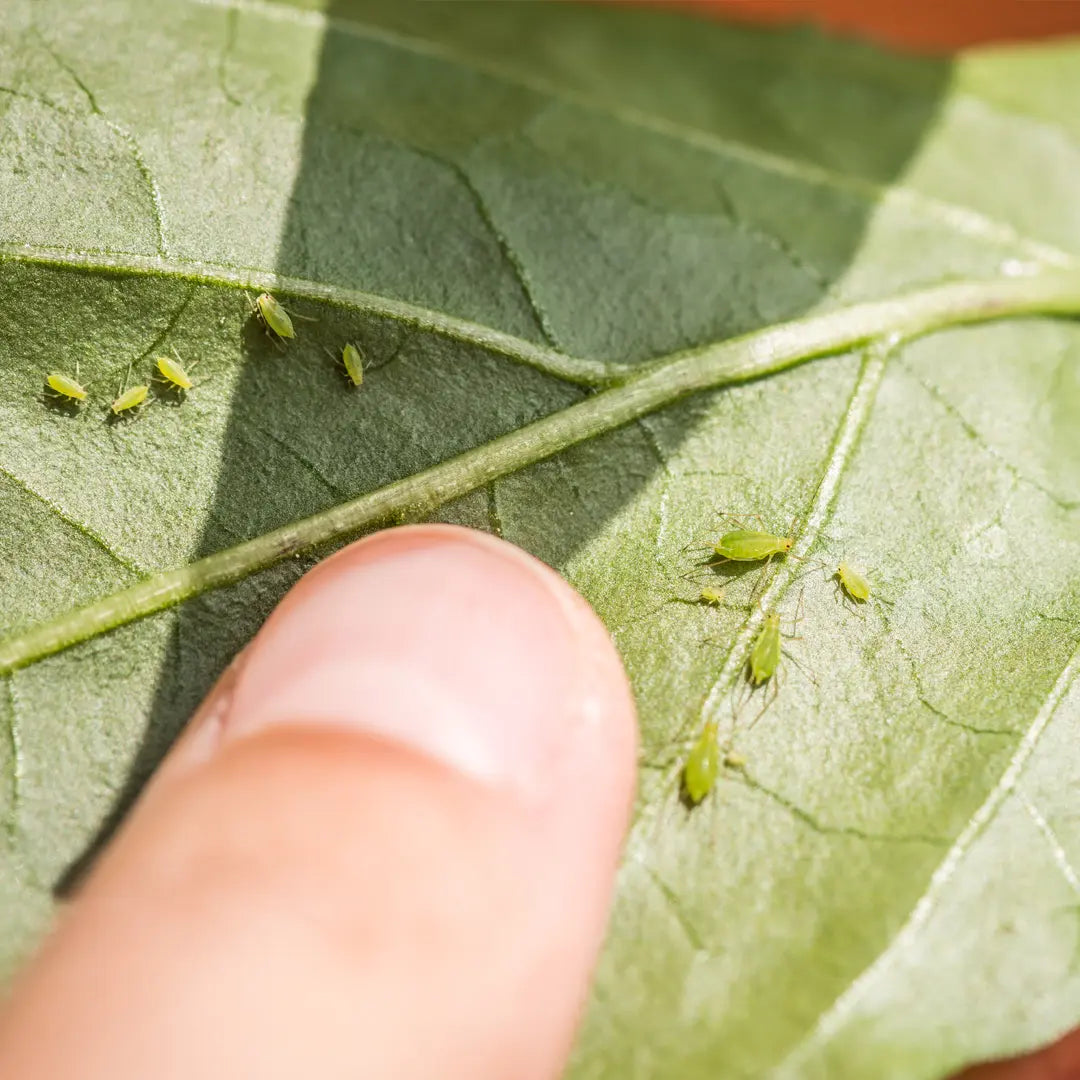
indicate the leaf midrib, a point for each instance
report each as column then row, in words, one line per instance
column 654, row 386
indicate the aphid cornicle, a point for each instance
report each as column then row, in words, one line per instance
column 702, row 765
column 172, row 371
column 66, row 387
column 747, row 545
column 765, row 652
column 855, row 583
column 130, row 399
column 274, row 317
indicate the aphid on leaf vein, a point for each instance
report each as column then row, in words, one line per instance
column 765, row 652
column 274, row 317
column 67, row 387
column 748, row 545
column 763, row 660
column 277, row 322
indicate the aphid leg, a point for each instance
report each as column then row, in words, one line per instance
column 772, row 692
column 806, row 672
column 797, row 618
column 761, row 581
column 274, row 339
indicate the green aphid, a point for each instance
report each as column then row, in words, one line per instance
column 855, row 583
column 712, row 597
column 66, row 387
column 765, row 652
column 702, row 765
column 130, row 399
column 748, row 545
column 274, row 318
column 354, row 363
column 172, row 371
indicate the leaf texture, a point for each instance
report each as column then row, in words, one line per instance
column 482, row 195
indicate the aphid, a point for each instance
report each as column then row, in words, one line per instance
column 702, row 765
column 130, row 399
column 853, row 582
column 765, row 652
column 274, row 317
column 747, row 545
column 734, row 760
column 354, row 363
column 711, row 596
column 66, row 387
column 172, row 371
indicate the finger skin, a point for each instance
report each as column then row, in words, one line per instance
column 316, row 896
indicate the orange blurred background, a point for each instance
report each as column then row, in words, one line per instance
column 935, row 25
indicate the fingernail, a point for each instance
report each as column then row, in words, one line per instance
column 445, row 640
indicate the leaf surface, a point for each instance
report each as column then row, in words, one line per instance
column 889, row 886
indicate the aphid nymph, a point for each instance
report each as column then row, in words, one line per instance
column 712, row 597
column 765, row 652
column 854, row 582
column 702, row 765
column 172, row 371
column 130, row 399
column 274, row 317
column 354, row 363
column 66, row 387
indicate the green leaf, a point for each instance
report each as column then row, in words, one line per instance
column 506, row 205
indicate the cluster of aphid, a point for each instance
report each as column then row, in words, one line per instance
column 279, row 328
column 746, row 545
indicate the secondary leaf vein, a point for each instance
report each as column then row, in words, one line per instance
column 832, row 1020
column 585, row 372
column 75, row 523
column 957, row 218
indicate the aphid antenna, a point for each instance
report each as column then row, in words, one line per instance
column 774, row 690
column 741, row 519
column 192, row 366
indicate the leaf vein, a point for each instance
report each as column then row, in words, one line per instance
column 830, row 1022
column 157, row 211
column 74, row 523
column 585, row 372
column 655, row 386
column 845, row 443
column 957, row 218
column 1057, row 850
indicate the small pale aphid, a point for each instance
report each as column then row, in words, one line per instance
column 172, row 371
column 354, row 364
column 765, row 652
column 66, row 387
column 274, row 317
column 702, row 765
column 130, row 399
column 853, row 582
column 747, row 545
column 712, row 596
column 734, row 760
